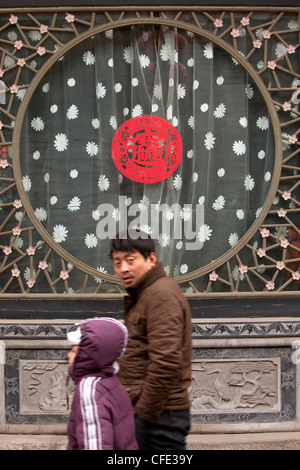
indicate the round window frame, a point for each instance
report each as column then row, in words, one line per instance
column 156, row 22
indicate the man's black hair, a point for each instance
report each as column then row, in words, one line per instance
column 133, row 240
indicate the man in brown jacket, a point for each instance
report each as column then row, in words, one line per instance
column 156, row 367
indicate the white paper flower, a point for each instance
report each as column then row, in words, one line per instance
column 118, row 87
column 41, row 214
column 72, row 112
column 73, row 174
column 157, row 92
column 262, row 123
column 181, row 91
column 96, row 123
column 186, row 213
column 74, row 204
column 239, row 147
column 100, row 90
column 128, row 54
column 164, row 240
column 91, row 241
column 137, row 110
column 208, row 50
column 144, row 61
column 113, row 122
column 209, row 140
column 204, row 107
column 233, row 239
column 71, row 82
column 219, row 203
column 184, row 268
column 61, row 142
column 165, row 52
column 60, row 233
column 249, row 91
column 243, row 121
column 191, row 122
column 261, row 154
column 240, row 214
column 204, row 233
column 36, row 155
column 220, row 111
column 221, row 172
column 26, row 183
column 92, row 148
column 37, row 124
column 249, row 183
column 177, row 183
column 88, row 58
column 103, row 183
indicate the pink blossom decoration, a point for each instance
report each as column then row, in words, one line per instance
column 21, row 62
column 43, row 28
column 30, row 283
column 243, row 269
column 30, row 251
column 286, row 106
column 266, row 34
column 64, row 275
column 245, row 21
column 43, row 265
column 13, row 19
column 265, row 232
column 14, row 88
column 17, row 203
column 291, row 49
column 280, row 265
column 7, row 250
column 261, row 252
column 272, row 64
column 213, row 276
column 257, row 43
column 296, row 275
column 218, row 23
column 270, row 285
column 235, row 33
column 41, row 50
column 281, row 212
column 18, row 45
column 16, row 231
column 70, row 18
column 284, row 243
column 286, row 195
column 3, row 163
column 15, row 272
column 293, row 139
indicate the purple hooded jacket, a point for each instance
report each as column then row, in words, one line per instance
column 101, row 412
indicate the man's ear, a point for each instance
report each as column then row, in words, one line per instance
column 152, row 258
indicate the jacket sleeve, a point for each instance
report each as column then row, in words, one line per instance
column 89, row 426
column 165, row 324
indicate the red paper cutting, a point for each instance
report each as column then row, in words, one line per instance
column 147, row 149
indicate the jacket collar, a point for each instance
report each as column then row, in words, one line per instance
column 146, row 280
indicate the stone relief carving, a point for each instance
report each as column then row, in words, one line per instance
column 43, row 387
column 236, row 385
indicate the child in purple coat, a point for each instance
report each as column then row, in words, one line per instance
column 101, row 412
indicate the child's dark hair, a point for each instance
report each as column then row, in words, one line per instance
column 133, row 240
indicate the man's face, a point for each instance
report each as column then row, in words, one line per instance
column 131, row 265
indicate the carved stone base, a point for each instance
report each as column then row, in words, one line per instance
column 245, row 376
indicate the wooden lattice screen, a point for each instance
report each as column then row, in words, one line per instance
column 274, row 271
